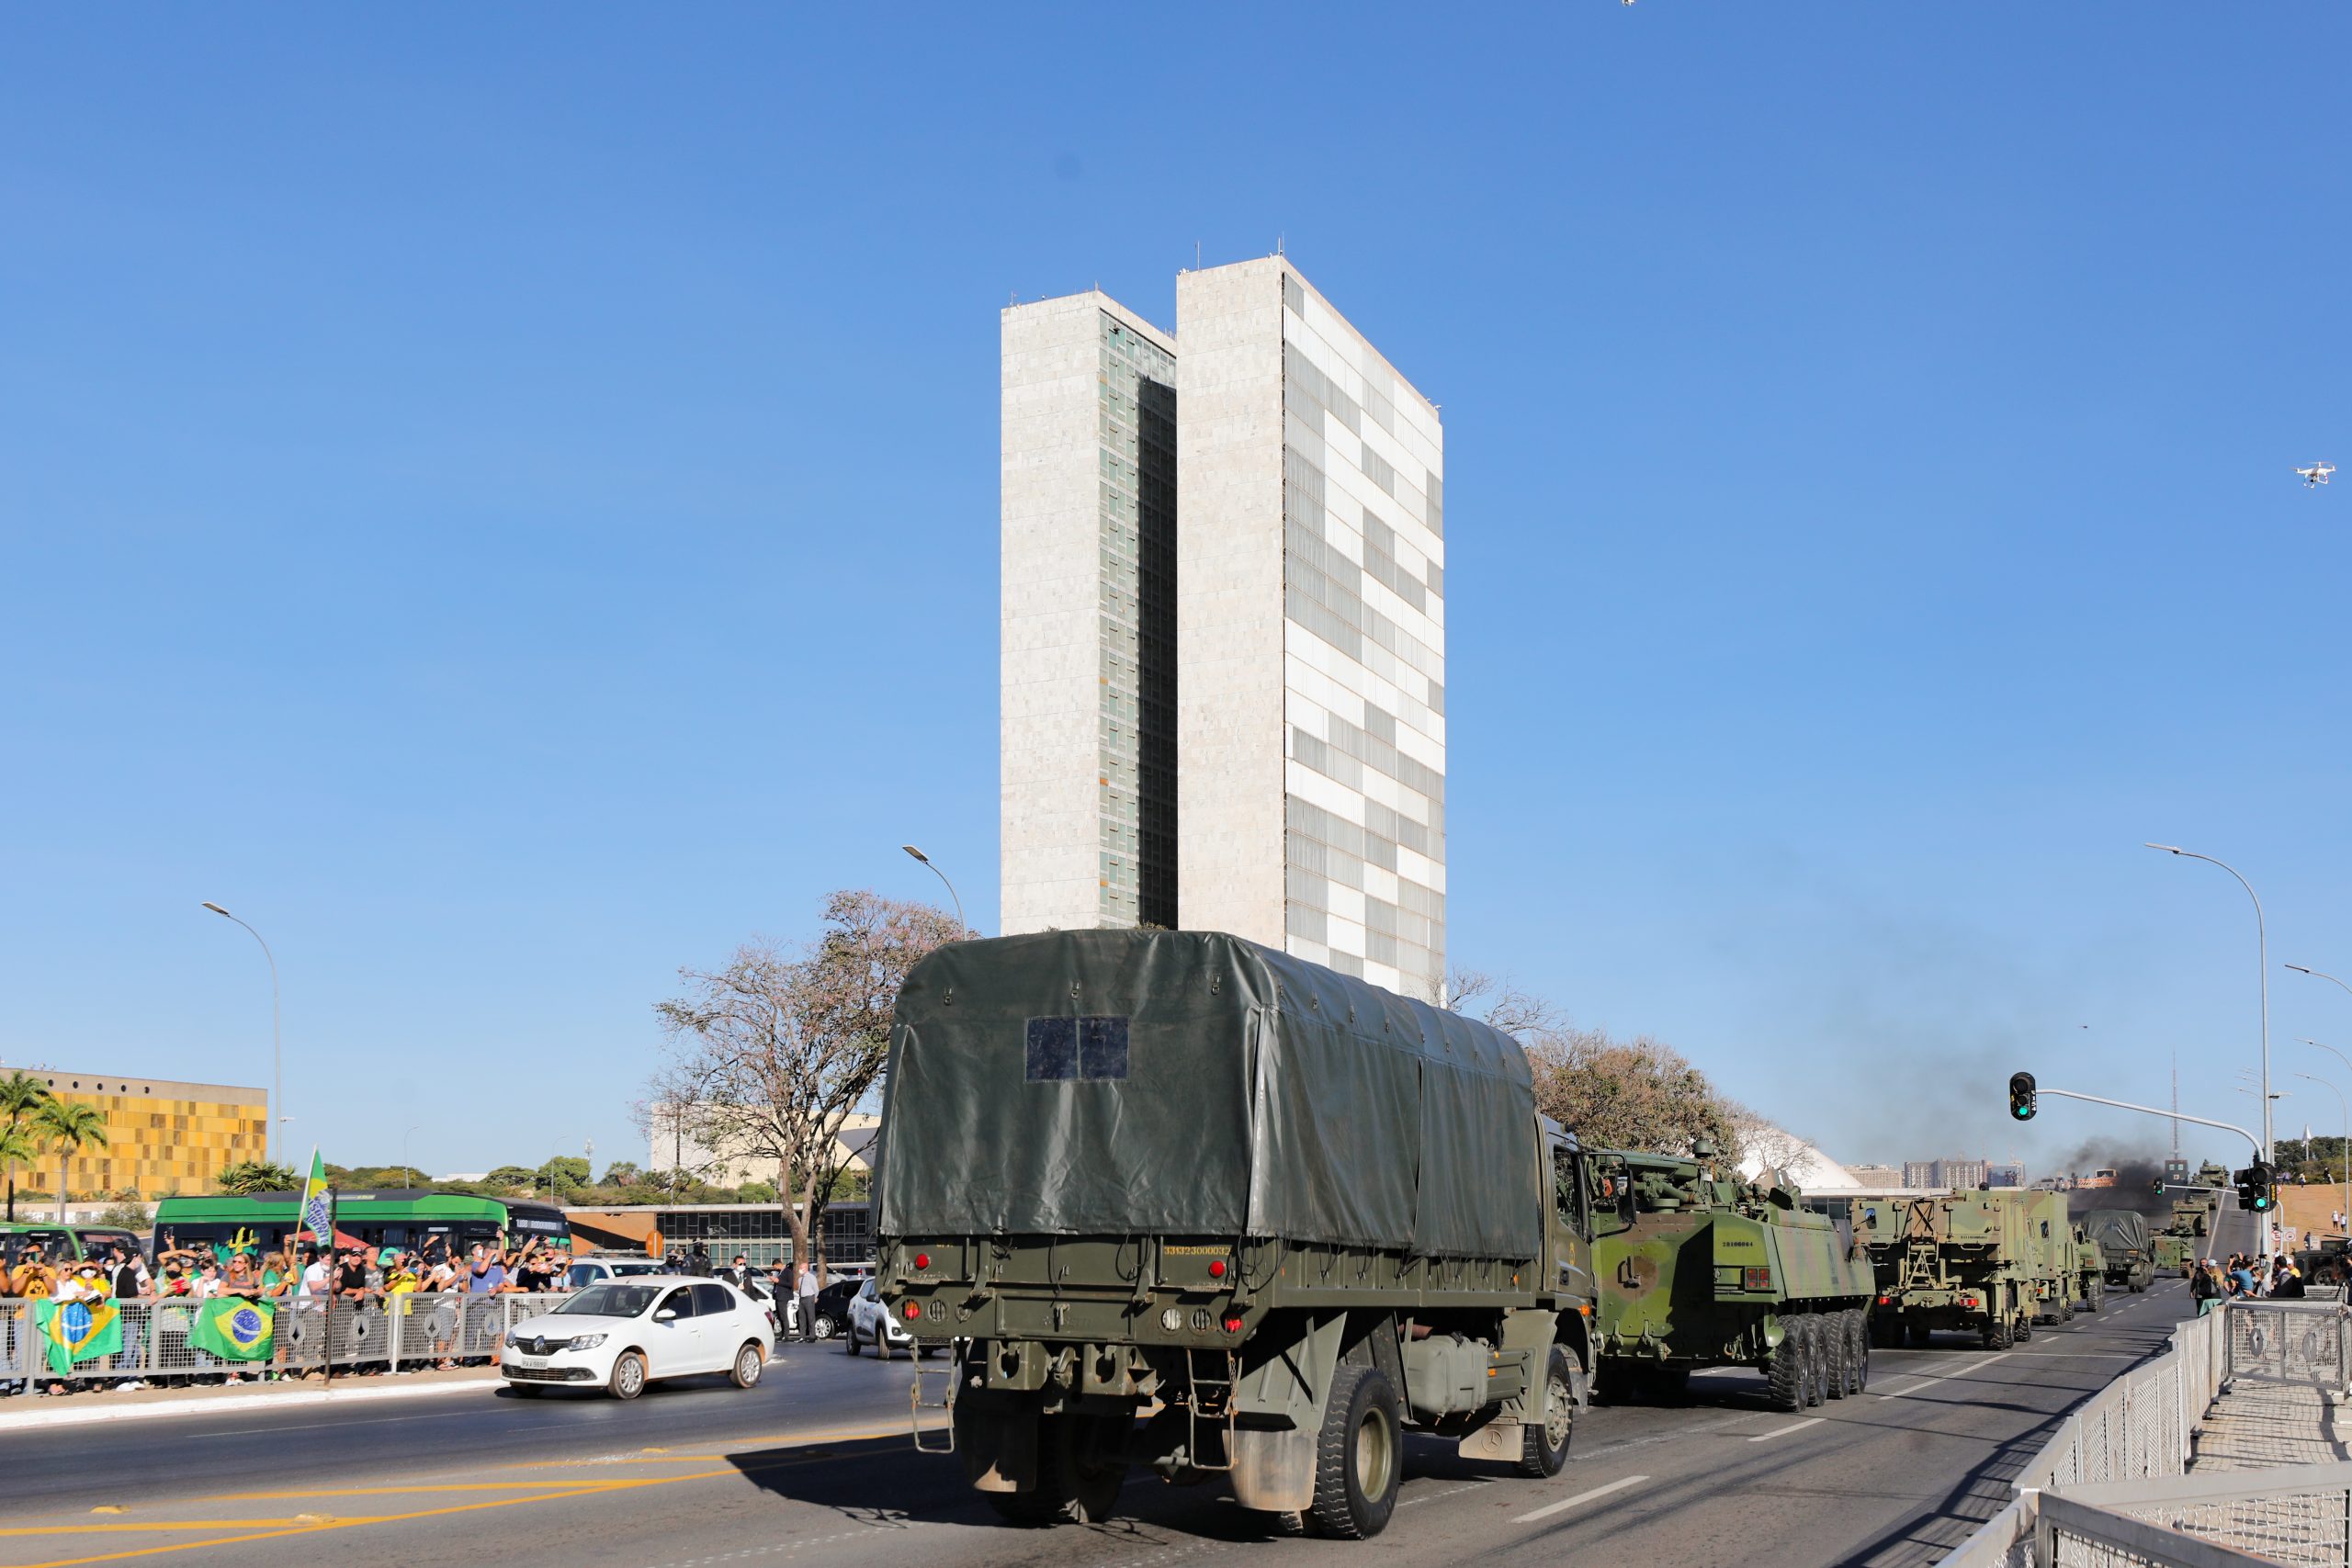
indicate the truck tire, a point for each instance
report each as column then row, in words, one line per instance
column 1359, row 1456
column 2025, row 1328
column 1837, row 1356
column 2098, row 1298
column 1820, row 1356
column 1998, row 1335
column 1074, row 1484
column 1544, row 1444
column 1784, row 1378
column 1862, row 1354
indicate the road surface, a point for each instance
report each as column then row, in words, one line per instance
column 815, row 1466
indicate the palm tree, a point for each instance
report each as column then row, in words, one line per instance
column 65, row 1126
column 21, row 1094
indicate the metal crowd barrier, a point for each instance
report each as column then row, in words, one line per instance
column 2113, row 1489
column 396, row 1333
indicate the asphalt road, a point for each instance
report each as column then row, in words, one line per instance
column 815, row 1465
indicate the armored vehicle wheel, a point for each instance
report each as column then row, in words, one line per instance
column 1359, row 1457
column 1545, row 1444
column 1784, row 1378
column 2066, row 1311
column 1076, row 1483
column 1837, row 1356
column 2098, row 1298
column 1862, row 1355
column 1998, row 1335
column 1920, row 1334
column 2025, row 1328
column 1823, row 1354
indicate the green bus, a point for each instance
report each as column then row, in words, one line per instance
column 62, row 1244
column 396, row 1218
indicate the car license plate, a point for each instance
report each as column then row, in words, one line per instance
column 532, row 1363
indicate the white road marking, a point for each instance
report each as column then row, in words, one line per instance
column 1791, row 1427
column 1956, row 1372
column 1548, row 1509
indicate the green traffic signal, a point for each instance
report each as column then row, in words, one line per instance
column 2021, row 1096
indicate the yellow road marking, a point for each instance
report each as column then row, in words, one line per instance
column 155, row 1524
column 569, row 1490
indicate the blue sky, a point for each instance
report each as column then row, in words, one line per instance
column 507, row 504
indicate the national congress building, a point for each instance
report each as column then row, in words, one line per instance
column 1224, row 627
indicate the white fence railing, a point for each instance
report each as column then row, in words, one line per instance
column 2113, row 1488
column 161, row 1337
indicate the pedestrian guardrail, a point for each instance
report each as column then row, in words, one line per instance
column 2113, row 1487
column 173, row 1338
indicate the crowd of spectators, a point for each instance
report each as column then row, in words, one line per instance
column 298, row 1280
column 2249, row 1275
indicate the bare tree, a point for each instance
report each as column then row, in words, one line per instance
column 1776, row 1147
column 775, row 1052
column 1496, row 1000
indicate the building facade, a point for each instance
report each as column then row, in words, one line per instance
column 1224, row 632
column 1946, row 1175
column 1088, row 479
column 164, row 1136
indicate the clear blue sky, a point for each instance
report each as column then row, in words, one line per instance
column 506, row 503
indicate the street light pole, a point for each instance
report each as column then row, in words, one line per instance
column 2262, row 958
column 276, row 1045
column 2345, row 1106
column 960, row 923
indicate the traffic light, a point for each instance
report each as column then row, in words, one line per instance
column 2158, row 1184
column 2257, row 1187
column 2021, row 1096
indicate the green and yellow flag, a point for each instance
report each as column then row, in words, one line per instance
column 77, row 1331
column 233, row 1328
column 317, row 1211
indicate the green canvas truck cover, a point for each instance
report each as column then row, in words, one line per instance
column 2116, row 1231
column 1174, row 1083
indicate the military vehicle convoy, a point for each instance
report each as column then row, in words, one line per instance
column 1285, row 1212
column 1698, row 1270
column 1977, row 1262
column 2124, row 1244
column 2183, row 1240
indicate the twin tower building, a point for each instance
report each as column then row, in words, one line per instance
column 1224, row 627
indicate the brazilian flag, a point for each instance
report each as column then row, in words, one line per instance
column 233, row 1328
column 77, row 1331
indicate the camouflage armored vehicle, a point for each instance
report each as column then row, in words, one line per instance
column 2183, row 1240
column 2123, row 1242
column 1698, row 1269
column 2050, row 1236
column 1285, row 1212
column 1972, row 1261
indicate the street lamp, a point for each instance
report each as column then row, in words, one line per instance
column 960, row 924
column 276, row 1046
column 2345, row 1107
column 2262, row 960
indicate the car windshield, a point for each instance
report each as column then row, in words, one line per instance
column 612, row 1300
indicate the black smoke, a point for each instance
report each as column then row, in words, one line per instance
column 2136, row 1175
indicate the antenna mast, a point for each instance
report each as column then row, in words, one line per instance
column 2176, row 1102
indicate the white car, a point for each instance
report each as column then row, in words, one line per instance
column 588, row 1270
column 870, row 1321
column 622, row 1333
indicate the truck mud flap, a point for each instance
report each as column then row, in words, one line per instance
column 1498, row 1439
column 1275, row 1470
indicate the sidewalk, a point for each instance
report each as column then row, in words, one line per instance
column 2262, row 1425
column 21, row 1413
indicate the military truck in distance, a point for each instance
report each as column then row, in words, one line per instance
column 1698, row 1270
column 2123, row 1243
column 1970, row 1261
column 2182, row 1241
column 2050, row 1238
column 2090, row 1270
column 1286, row 1212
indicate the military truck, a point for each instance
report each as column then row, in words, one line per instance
column 1282, row 1211
column 1698, row 1269
column 2123, row 1243
column 2091, row 1270
column 2050, row 1239
column 1970, row 1261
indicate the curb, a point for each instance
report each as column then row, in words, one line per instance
column 83, row 1412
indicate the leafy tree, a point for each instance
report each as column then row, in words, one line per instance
column 509, row 1178
column 65, row 1127
column 770, row 1056
column 622, row 1173
column 130, row 1211
column 257, row 1176
column 564, row 1173
column 21, row 1094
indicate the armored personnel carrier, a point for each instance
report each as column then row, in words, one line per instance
column 1698, row 1269
column 1178, row 1202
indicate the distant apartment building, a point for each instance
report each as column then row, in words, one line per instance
column 1945, row 1174
column 1301, row 547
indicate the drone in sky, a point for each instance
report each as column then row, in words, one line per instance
column 2316, row 475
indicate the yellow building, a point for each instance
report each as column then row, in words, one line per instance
column 162, row 1135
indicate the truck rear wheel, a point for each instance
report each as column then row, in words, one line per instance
column 1820, row 1359
column 1861, row 1364
column 1544, row 1444
column 1358, row 1457
column 1077, row 1481
column 1998, row 1335
column 1784, row 1380
column 1837, row 1336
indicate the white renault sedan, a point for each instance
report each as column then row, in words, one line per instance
column 622, row 1333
